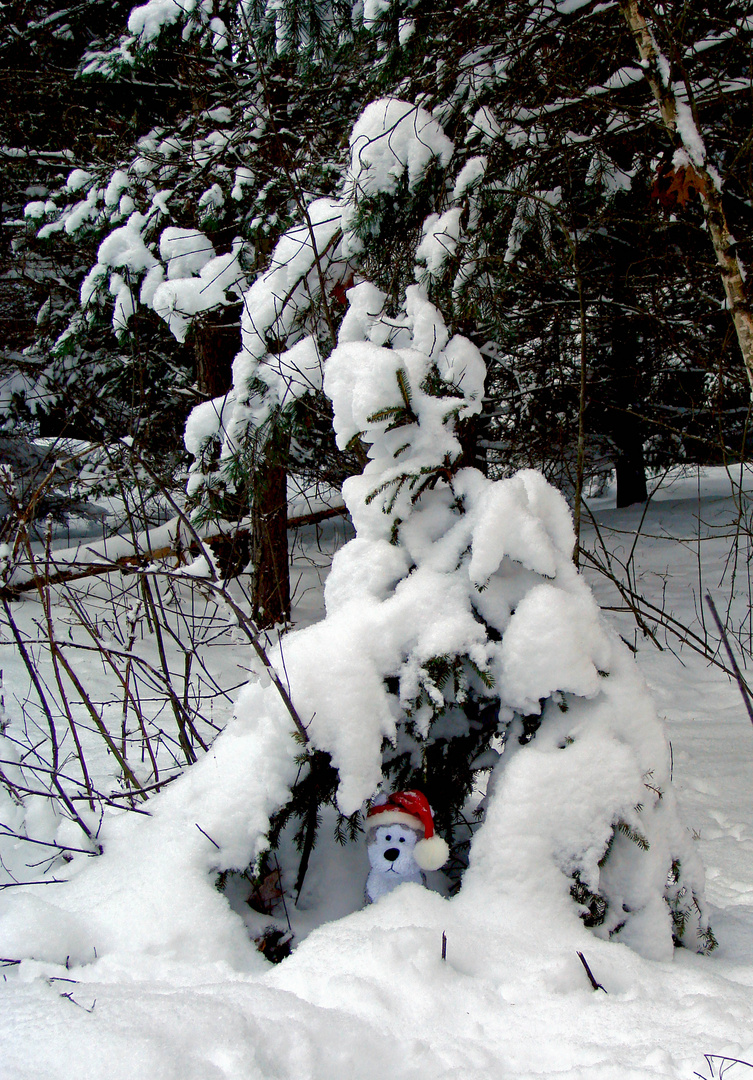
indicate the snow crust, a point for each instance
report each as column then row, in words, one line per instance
column 283, row 292
column 691, row 138
column 118, row 184
column 177, row 301
column 372, row 9
column 185, row 251
column 473, row 171
column 441, row 233
column 78, row 179
column 203, row 423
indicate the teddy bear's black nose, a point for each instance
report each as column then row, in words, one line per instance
column 391, row 854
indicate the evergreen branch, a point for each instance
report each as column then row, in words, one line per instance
column 402, row 421
column 388, row 413
column 382, row 488
column 486, row 677
column 402, row 381
column 634, row 835
column 398, row 488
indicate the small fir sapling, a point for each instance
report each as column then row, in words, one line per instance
column 457, row 624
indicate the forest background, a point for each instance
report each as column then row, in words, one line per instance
column 530, row 227
column 581, row 253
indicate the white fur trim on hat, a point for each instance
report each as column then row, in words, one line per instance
column 394, row 817
column 430, row 854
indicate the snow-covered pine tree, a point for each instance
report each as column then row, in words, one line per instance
column 457, row 627
column 456, row 622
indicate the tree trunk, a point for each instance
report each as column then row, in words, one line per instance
column 215, row 346
column 630, row 466
column 269, row 518
column 654, row 64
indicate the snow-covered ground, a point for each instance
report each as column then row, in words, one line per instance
column 368, row 994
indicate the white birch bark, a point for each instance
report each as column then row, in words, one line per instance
column 657, row 69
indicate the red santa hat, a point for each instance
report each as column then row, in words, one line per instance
column 411, row 808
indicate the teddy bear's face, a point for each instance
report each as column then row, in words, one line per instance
column 390, row 849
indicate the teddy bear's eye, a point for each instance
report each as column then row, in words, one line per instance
column 388, row 837
column 402, row 839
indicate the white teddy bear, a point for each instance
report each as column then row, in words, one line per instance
column 401, row 842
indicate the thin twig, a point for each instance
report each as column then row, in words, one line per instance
column 282, row 894
column 252, row 633
column 209, row 838
column 43, row 881
column 736, row 670
column 5, row 831
column 596, row 985
column 46, row 709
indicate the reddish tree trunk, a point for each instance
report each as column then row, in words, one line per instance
column 269, row 516
column 216, row 345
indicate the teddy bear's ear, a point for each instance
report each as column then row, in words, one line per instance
column 432, row 853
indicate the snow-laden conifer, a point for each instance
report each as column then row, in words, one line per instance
column 457, row 624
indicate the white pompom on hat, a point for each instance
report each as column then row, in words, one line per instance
column 411, row 808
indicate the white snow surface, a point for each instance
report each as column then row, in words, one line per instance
column 114, row 190
column 691, row 138
column 372, row 9
column 473, row 171
column 78, row 179
column 177, row 991
column 185, row 251
column 280, row 296
column 178, row 300
column 203, row 422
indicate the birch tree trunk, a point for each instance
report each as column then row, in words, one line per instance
column 682, row 131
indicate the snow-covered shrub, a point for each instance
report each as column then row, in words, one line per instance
column 457, row 625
